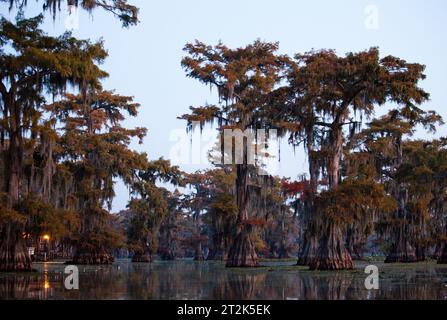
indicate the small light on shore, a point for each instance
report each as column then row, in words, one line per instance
column 46, row 237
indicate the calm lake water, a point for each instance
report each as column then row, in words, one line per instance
column 211, row 280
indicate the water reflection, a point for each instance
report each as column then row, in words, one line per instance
column 210, row 280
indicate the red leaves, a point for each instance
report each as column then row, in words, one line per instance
column 295, row 187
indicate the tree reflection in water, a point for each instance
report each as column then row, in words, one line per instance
column 210, row 280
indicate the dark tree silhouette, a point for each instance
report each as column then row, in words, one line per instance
column 244, row 78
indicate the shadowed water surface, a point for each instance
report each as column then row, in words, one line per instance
column 211, row 280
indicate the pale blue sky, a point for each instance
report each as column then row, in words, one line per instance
column 144, row 61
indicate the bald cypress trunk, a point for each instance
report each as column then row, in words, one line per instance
column 355, row 244
column 169, row 246
column 141, row 257
column 168, row 252
column 217, row 251
column 283, row 253
column 13, row 252
column 242, row 252
column 88, row 252
column 90, row 248
column 421, row 251
column 309, row 242
column 92, row 256
column 14, row 255
column 401, row 249
column 144, row 254
column 309, row 248
column 443, row 257
column 216, row 254
column 198, row 252
column 437, row 251
column 332, row 253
